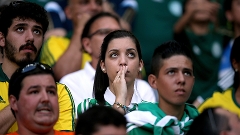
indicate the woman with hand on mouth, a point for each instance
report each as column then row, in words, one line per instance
column 118, row 67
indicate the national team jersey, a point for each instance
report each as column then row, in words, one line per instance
column 66, row 119
column 54, row 48
column 55, row 133
column 225, row 99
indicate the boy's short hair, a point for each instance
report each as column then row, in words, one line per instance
column 227, row 5
column 166, row 50
column 96, row 116
column 22, row 10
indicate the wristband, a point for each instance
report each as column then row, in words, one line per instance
column 125, row 108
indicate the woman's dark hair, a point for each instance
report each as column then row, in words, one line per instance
column 227, row 5
column 88, row 25
column 167, row 50
column 101, row 81
column 235, row 55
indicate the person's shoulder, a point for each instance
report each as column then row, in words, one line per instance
column 58, row 38
column 63, row 133
column 218, row 99
column 191, row 110
column 54, row 40
column 76, row 75
column 13, row 133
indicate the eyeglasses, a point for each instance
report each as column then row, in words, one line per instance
column 15, row 3
column 102, row 32
column 33, row 66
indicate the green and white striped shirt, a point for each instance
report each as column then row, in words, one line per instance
column 151, row 120
column 110, row 99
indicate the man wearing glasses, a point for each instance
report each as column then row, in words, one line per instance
column 34, row 100
column 22, row 29
column 64, row 54
column 81, row 82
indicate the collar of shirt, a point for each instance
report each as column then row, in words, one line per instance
column 110, row 98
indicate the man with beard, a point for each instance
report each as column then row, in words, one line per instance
column 22, row 29
column 34, row 101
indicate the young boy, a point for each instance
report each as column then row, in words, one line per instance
column 196, row 28
column 172, row 76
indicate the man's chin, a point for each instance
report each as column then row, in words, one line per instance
column 24, row 62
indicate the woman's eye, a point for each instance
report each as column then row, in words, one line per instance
column 131, row 55
column 114, row 55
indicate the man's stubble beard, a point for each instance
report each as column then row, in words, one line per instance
column 11, row 51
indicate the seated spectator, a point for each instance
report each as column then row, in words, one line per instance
column 153, row 25
column 65, row 53
column 81, row 82
column 215, row 121
column 228, row 99
column 226, row 73
column 196, row 28
column 172, row 76
column 22, row 29
column 101, row 120
column 33, row 100
column 119, row 64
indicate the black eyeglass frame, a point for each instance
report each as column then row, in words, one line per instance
column 101, row 32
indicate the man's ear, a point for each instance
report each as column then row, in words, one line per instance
column 152, row 80
column 13, row 102
column 224, row 133
column 86, row 45
column 229, row 16
column 2, row 39
column 235, row 65
column 68, row 12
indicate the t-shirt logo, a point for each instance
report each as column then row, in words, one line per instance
column 1, row 100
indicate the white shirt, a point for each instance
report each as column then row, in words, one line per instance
column 80, row 83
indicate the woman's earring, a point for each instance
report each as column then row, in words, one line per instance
column 140, row 69
column 103, row 70
column 236, row 70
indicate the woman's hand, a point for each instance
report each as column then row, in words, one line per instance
column 120, row 86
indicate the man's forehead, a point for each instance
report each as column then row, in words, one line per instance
column 18, row 20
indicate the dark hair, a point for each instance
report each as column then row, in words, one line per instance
column 97, row 116
column 235, row 55
column 15, row 82
column 227, row 5
column 167, row 50
column 101, row 81
column 88, row 25
column 209, row 123
column 22, row 10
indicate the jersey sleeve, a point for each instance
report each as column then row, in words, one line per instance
column 66, row 121
column 86, row 104
column 52, row 49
